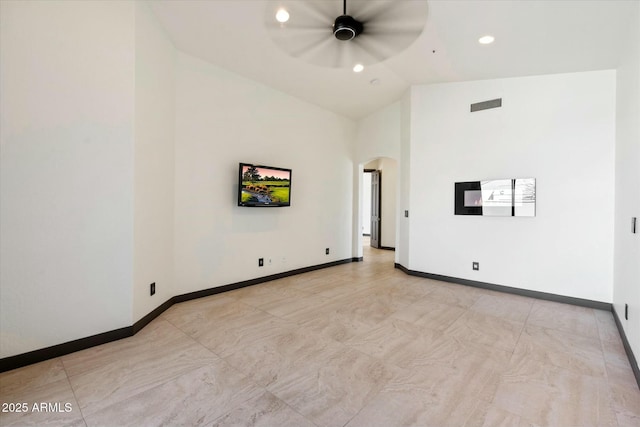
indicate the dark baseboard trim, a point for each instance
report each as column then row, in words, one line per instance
column 256, row 281
column 387, row 248
column 510, row 290
column 35, row 356
column 627, row 346
column 137, row 327
column 357, row 259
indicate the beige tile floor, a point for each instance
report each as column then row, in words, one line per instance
column 357, row 345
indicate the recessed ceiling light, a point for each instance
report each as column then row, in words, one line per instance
column 358, row 68
column 282, row 15
column 486, row 39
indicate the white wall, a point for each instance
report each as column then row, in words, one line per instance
column 627, row 245
column 66, row 223
column 223, row 119
column 379, row 135
column 389, row 201
column 403, row 223
column 559, row 129
column 153, row 167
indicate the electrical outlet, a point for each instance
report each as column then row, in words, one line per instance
column 475, row 266
column 260, row 262
column 326, row 251
column 626, row 312
column 152, row 288
column 269, row 261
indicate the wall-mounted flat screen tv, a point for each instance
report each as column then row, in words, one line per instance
column 496, row 197
column 266, row 186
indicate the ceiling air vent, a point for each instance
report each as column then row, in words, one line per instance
column 485, row 105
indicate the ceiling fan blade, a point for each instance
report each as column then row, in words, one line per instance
column 366, row 10
column 325, row 10
column 301, row 14
column 276, row 27
column 372, row 52
column 308, row 26
column 325, row 54
column 399, row 32
column 310, row 48
column 303, row 40
column 337, row 54
column 394, row 41
column 389, row 34
column 390, row 26
column 389, row 10
column 415, row 23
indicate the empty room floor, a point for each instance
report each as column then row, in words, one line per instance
column 359, row 344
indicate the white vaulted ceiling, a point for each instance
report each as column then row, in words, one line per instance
column 531, row 38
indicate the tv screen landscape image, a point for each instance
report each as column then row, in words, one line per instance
column 264, row 186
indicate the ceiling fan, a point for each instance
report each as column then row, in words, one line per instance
column 368, row 32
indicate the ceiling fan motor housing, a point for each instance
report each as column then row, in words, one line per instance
column 346, row 28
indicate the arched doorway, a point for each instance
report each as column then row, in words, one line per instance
column 379, row 203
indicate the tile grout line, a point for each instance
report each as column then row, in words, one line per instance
column 524, row 326
column 292, row 408
column 231, row 367
column 73, row 391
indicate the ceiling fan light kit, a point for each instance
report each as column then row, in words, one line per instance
column 346, row 28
